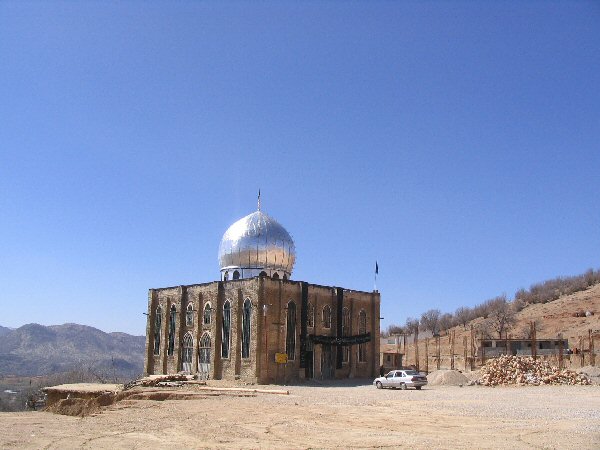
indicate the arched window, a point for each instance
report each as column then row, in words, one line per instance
column 204, row 355
column 285, row 277
column 188, row 352
column 362, row 329
column 226, row 330
column 204, row 351
column 236, row 275
column 362, row 322
column 327, row 316
column 189, row 315
column 172, row 320
column 290, row 337
column 207, row 311
column 310, row 320
column 226, row 276
column 345, row 322
column 157, row 330
column 246, row 328
column 262, row 274
column 276, row 276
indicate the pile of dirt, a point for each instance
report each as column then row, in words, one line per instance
column 82, row 407
column 521, row 370
column 447, row 378
column 592, row 372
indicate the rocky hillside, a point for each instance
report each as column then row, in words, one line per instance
column 564, row 316
column 4, row 330
column 41, row 350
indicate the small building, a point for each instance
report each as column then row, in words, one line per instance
column 258, row 325
column 390, row 355
column 521, row 347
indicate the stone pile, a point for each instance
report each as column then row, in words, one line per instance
column 522, row 370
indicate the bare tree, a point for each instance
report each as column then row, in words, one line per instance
column 463, row 315
column 446, row 321
column 394, row 329
column 430, row 320
column 412, row 325
column 525, row 331
column 501, row 316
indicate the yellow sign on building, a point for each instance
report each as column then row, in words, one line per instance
column 281, row 358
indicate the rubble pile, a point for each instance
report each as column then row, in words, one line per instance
column 508, row 369
column 159, row 380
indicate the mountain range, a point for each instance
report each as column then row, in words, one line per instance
column 34, row 349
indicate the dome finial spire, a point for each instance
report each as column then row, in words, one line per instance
column 259, row 199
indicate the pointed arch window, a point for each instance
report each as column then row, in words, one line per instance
column 290, row 337
column 327, row 316
column 189, row 315
column 226, row 330
column 172, row 321
column 246, row 320
column 345, row 322
column 207, row 311
column 310, row 320
column 204, row 354
column 236, row 275
column 157, row 330
column 188, row 352
column 276, row 276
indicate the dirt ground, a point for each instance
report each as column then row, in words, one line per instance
column 336, row 415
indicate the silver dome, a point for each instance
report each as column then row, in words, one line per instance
column 254, row 244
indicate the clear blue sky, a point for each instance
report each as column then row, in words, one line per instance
column 457, row 143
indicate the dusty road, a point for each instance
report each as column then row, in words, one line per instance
column 329, row 416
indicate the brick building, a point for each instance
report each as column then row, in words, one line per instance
column 257, row 324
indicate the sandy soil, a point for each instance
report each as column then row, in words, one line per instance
column 337, row 415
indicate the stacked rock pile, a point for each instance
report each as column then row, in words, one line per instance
column 522, row 370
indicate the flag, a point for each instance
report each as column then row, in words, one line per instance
column 376, row 268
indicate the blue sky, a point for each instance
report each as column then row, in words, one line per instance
column 456, row 143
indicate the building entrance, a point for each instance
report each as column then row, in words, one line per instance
column 327, row 369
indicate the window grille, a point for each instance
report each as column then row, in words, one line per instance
column 172, row 319
column 327, row 316
column 311, row 316
column 246, row 329
column 226, row 330
column 157, row 330
column 290, row 338
column 189, row 315
column 207, row 312
column 362, row 329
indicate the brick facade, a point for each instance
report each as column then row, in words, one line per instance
column 270, row 304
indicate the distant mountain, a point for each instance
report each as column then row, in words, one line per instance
column 4, row 330
column 35, row 349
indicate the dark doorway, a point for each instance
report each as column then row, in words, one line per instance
column 309, row 373
column 327, row 370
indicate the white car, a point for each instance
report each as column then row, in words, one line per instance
column 401, row 379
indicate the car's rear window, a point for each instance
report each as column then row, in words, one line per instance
column 411, row 372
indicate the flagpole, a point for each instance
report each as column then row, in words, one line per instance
column 376, row 272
